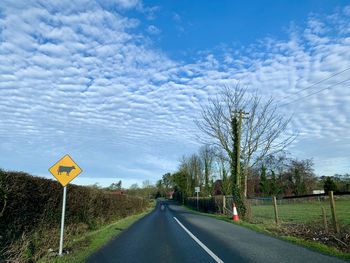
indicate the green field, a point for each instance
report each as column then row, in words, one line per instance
column 305, row 212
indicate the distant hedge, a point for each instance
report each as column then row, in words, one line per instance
column 29, row 203
column 205, row 204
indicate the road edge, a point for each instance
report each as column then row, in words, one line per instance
column 318, row 247
column 96, row 239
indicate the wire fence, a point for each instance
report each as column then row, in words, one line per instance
column 311, row 209
column 322, row 218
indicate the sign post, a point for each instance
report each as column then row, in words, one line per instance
column 65, row 170
column 62, row 219
column 197, row 190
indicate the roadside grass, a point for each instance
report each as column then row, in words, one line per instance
column 271, row 229
column 82, row 247
column 307, row 212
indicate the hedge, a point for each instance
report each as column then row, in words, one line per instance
column 205, row 204
column 30, row 204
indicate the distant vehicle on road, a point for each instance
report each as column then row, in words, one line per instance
column 65, row 169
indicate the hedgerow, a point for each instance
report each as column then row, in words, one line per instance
column 30, row 213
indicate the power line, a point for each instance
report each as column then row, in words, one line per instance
column 316, row 92
column 309, row 87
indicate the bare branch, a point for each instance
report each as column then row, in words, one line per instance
column 263, row 133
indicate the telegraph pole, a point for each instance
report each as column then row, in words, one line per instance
column 238, row 149
column 237, row 127
column 234, row 176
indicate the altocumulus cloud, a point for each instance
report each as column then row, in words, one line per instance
column 80, row 78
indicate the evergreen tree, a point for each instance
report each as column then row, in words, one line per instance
column 329, row 185
column 264, row 185
column 274, row 189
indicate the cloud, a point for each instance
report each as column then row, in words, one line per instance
column 124, row 4
column 153, row 30
column 81, row 78
column 176, row 17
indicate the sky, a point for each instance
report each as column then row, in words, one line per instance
column 118, row 84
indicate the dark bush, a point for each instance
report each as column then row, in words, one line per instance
column 205, row 204
column 329, row 185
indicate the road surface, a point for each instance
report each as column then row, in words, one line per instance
column 171, row 233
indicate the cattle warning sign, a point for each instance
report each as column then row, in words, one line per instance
column 65, row 170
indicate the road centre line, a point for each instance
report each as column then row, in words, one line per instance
column 215, row 257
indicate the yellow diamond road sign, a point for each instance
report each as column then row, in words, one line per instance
column 65, row 170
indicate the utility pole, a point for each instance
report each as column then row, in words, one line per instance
column 238, row 149
column 237, row 127
column 234, row 150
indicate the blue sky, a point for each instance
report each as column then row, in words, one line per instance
column 201, row 25
column 118, row 84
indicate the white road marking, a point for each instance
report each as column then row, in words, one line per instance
column 215, row 257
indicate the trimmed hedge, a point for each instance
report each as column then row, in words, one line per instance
column 33, row 203
column 206, row 204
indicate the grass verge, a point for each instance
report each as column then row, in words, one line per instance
column 81, row 248
column 269, row 230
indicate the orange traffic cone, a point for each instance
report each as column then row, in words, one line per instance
column 235, row 214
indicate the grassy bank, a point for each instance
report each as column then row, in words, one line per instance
column 273, row 230
column 82, row 247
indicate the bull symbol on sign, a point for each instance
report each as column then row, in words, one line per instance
column 66, row 169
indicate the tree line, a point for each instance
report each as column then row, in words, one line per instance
column 276, row 176
column 244, row 139
column 146, row 190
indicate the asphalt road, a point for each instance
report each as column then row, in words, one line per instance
column 173, row 234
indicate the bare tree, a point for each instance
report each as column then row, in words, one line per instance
column 222, row 164
column 192, row 167
column 206, row 154
column 264, row 132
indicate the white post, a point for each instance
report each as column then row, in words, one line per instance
column 197, row 202
column 224, row 204
column 62, row 219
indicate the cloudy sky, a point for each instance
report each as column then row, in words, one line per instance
column 118, row 84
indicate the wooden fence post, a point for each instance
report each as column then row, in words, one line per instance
column 275, row 208
column 324, row 219
column 334, row 214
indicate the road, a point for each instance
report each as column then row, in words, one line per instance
column 171, row 233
